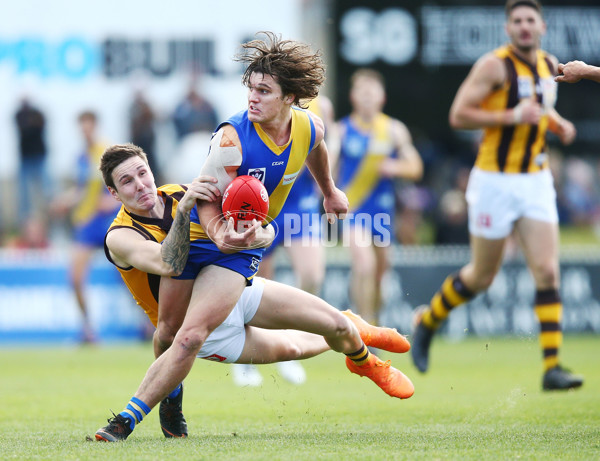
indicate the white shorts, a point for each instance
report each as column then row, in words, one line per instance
column 497, row 200
column 226, row 343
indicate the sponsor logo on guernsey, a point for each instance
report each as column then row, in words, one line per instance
column 276, row 163
column 289, row 178
column 258, row 173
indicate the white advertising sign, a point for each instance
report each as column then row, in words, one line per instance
column 69, row 56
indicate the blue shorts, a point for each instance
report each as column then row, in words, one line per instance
column 92, row 232
column 205, row 253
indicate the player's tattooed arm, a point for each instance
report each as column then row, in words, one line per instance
column 176, row 246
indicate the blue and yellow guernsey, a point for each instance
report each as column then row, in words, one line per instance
column 89, row 180
column 363, row 149
column 277, row 167
column 305, row 187
column 302, row 199
column 144, row 286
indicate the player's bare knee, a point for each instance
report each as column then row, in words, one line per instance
column 165, row 337
column 189, row 341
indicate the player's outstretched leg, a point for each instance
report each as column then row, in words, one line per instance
column 172, row 421
column 392, row 381
column 421, row 341
column 384, row 338
column 117, row 429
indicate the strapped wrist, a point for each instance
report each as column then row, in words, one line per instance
column 517, row 114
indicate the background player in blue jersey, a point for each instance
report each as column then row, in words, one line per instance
column 298, row 231
column 375, row 149
column 92, row 211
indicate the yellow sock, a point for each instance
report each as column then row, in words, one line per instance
column 451, row 294
column 360, row 357
column 548, row 309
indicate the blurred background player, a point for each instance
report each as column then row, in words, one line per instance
column 92, row 211
column 194, row 113
column 298, row 231
column 375, row 149
column 34, row 182
column 510, row 93
column 142, row 130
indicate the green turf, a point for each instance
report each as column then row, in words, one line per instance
column 481, row 400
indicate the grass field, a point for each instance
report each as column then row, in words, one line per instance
column 481, row 400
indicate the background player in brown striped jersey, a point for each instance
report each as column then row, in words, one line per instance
column 510, row 94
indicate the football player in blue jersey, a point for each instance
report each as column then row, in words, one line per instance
column 298, row 231
column 375, row 150
column 271, row 140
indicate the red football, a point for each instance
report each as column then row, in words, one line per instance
column 245, row 198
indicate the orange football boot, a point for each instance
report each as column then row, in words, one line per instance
column 392, row 381
column 384, row 338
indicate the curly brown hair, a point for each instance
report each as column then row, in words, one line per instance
column 114, row 156
column 293, row 65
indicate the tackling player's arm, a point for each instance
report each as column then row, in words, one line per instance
column 561, row 127
column 487, row 75
column 335, row 202
column 573, row 71
column 223, row 161
column 129, row 248
column 408, row 164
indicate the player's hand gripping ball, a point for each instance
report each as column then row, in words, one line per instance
column 245, row 199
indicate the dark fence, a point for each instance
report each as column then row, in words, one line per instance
column 506, row 308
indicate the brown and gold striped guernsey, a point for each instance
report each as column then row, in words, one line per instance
column 144, row 286
column 518, row 148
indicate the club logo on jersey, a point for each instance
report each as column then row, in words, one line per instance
column 254, row 264
column 525, row 86
column 289, row 178
column 258, row 173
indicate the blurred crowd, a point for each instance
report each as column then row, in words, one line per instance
column 46, row 207
column 431, row 211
